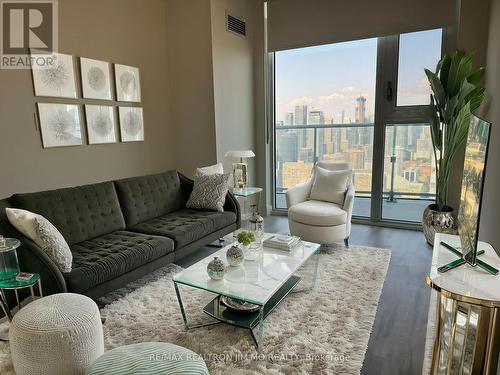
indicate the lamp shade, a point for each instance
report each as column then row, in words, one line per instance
column 240, row 154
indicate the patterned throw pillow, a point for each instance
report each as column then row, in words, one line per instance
column 44, row 234
column 209, row 192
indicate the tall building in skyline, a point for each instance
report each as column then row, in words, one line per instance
column 289, row 118
column 300, row 118
column 360, row 110
column 316, row 118
column 300, row 115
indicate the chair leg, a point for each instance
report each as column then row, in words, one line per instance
column 346, row 241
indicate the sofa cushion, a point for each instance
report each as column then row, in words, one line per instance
column 146, row 197
column 185, row 226
column 317, row 213
column 79, row 213
column 104, row 258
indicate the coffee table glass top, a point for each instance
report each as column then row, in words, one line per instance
column 253, row 281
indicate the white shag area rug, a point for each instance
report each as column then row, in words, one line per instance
column 321, row 331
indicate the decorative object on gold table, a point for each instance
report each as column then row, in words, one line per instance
column 240, row 170
column 467, row 333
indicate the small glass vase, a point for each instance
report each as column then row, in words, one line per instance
column 9, row 265
column 252, row 251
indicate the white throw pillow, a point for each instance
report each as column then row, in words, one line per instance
column 211, row 169
column 330, row 186
column 44, row 234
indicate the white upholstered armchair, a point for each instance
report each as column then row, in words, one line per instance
column 320, row 221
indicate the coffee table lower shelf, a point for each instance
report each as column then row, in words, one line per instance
column 249, row 320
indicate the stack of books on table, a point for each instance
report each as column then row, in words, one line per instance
column 281, row 242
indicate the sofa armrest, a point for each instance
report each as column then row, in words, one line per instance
column 298, row 193
column 186, row 186
column 33, row 259
column 348, row 205
column 231, row 204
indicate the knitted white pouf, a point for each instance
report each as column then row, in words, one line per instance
column 58, row 334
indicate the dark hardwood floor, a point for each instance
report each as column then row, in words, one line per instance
column 396, row 345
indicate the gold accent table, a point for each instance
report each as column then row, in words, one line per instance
column 467, row 332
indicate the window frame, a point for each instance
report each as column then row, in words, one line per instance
column 387, row 113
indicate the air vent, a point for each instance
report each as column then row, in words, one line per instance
column 236, row 25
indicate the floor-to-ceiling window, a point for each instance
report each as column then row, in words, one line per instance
column 325, row 103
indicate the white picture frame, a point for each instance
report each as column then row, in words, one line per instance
column 96, row 79
column 60, row 124
column 53, row 76
column 101, row 124
column 128, row 83
column 131, row 124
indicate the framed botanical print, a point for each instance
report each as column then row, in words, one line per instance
column 96, row 79
column 131, row 124
column 128, row 85
column 53, row 76
column 59, row 124
column 101, row 123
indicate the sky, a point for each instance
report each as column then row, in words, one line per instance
column 330, row 77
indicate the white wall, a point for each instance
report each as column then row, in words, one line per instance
column 191, row 84
column 233, row 59
column 490, row 215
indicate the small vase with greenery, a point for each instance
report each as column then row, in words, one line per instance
column 245, row 239
column 456, row 93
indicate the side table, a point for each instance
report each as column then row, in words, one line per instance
column 247, row 197
column 15, row 285
column 467, row 331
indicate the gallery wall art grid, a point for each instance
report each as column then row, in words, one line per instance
column 60, row 123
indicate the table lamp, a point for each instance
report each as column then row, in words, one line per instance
column 240, row 170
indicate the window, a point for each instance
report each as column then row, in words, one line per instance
column 409, row 172
column 417, row 51
column 324, row 108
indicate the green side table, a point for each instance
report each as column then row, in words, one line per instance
column 15, row 285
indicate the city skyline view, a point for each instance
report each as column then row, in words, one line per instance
column 322, row 78
column 335, row 84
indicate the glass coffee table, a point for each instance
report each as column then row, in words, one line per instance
column 264, row 282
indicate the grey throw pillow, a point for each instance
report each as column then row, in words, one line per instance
column 209, row 192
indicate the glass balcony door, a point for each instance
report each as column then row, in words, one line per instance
column 364, row 102
column 324, row 110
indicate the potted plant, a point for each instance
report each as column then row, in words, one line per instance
column 456, row 93
column 245, row 239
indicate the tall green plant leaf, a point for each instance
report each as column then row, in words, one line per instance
column 435, row 126
column 444, row 69
column 475, row 77
column 475, row 98
column 461, row 65
column 437, row 89
column 450, row 111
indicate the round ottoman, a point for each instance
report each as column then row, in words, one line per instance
column 149, row 358
column 58, row 334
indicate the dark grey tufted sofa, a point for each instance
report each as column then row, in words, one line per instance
column 118, row 231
